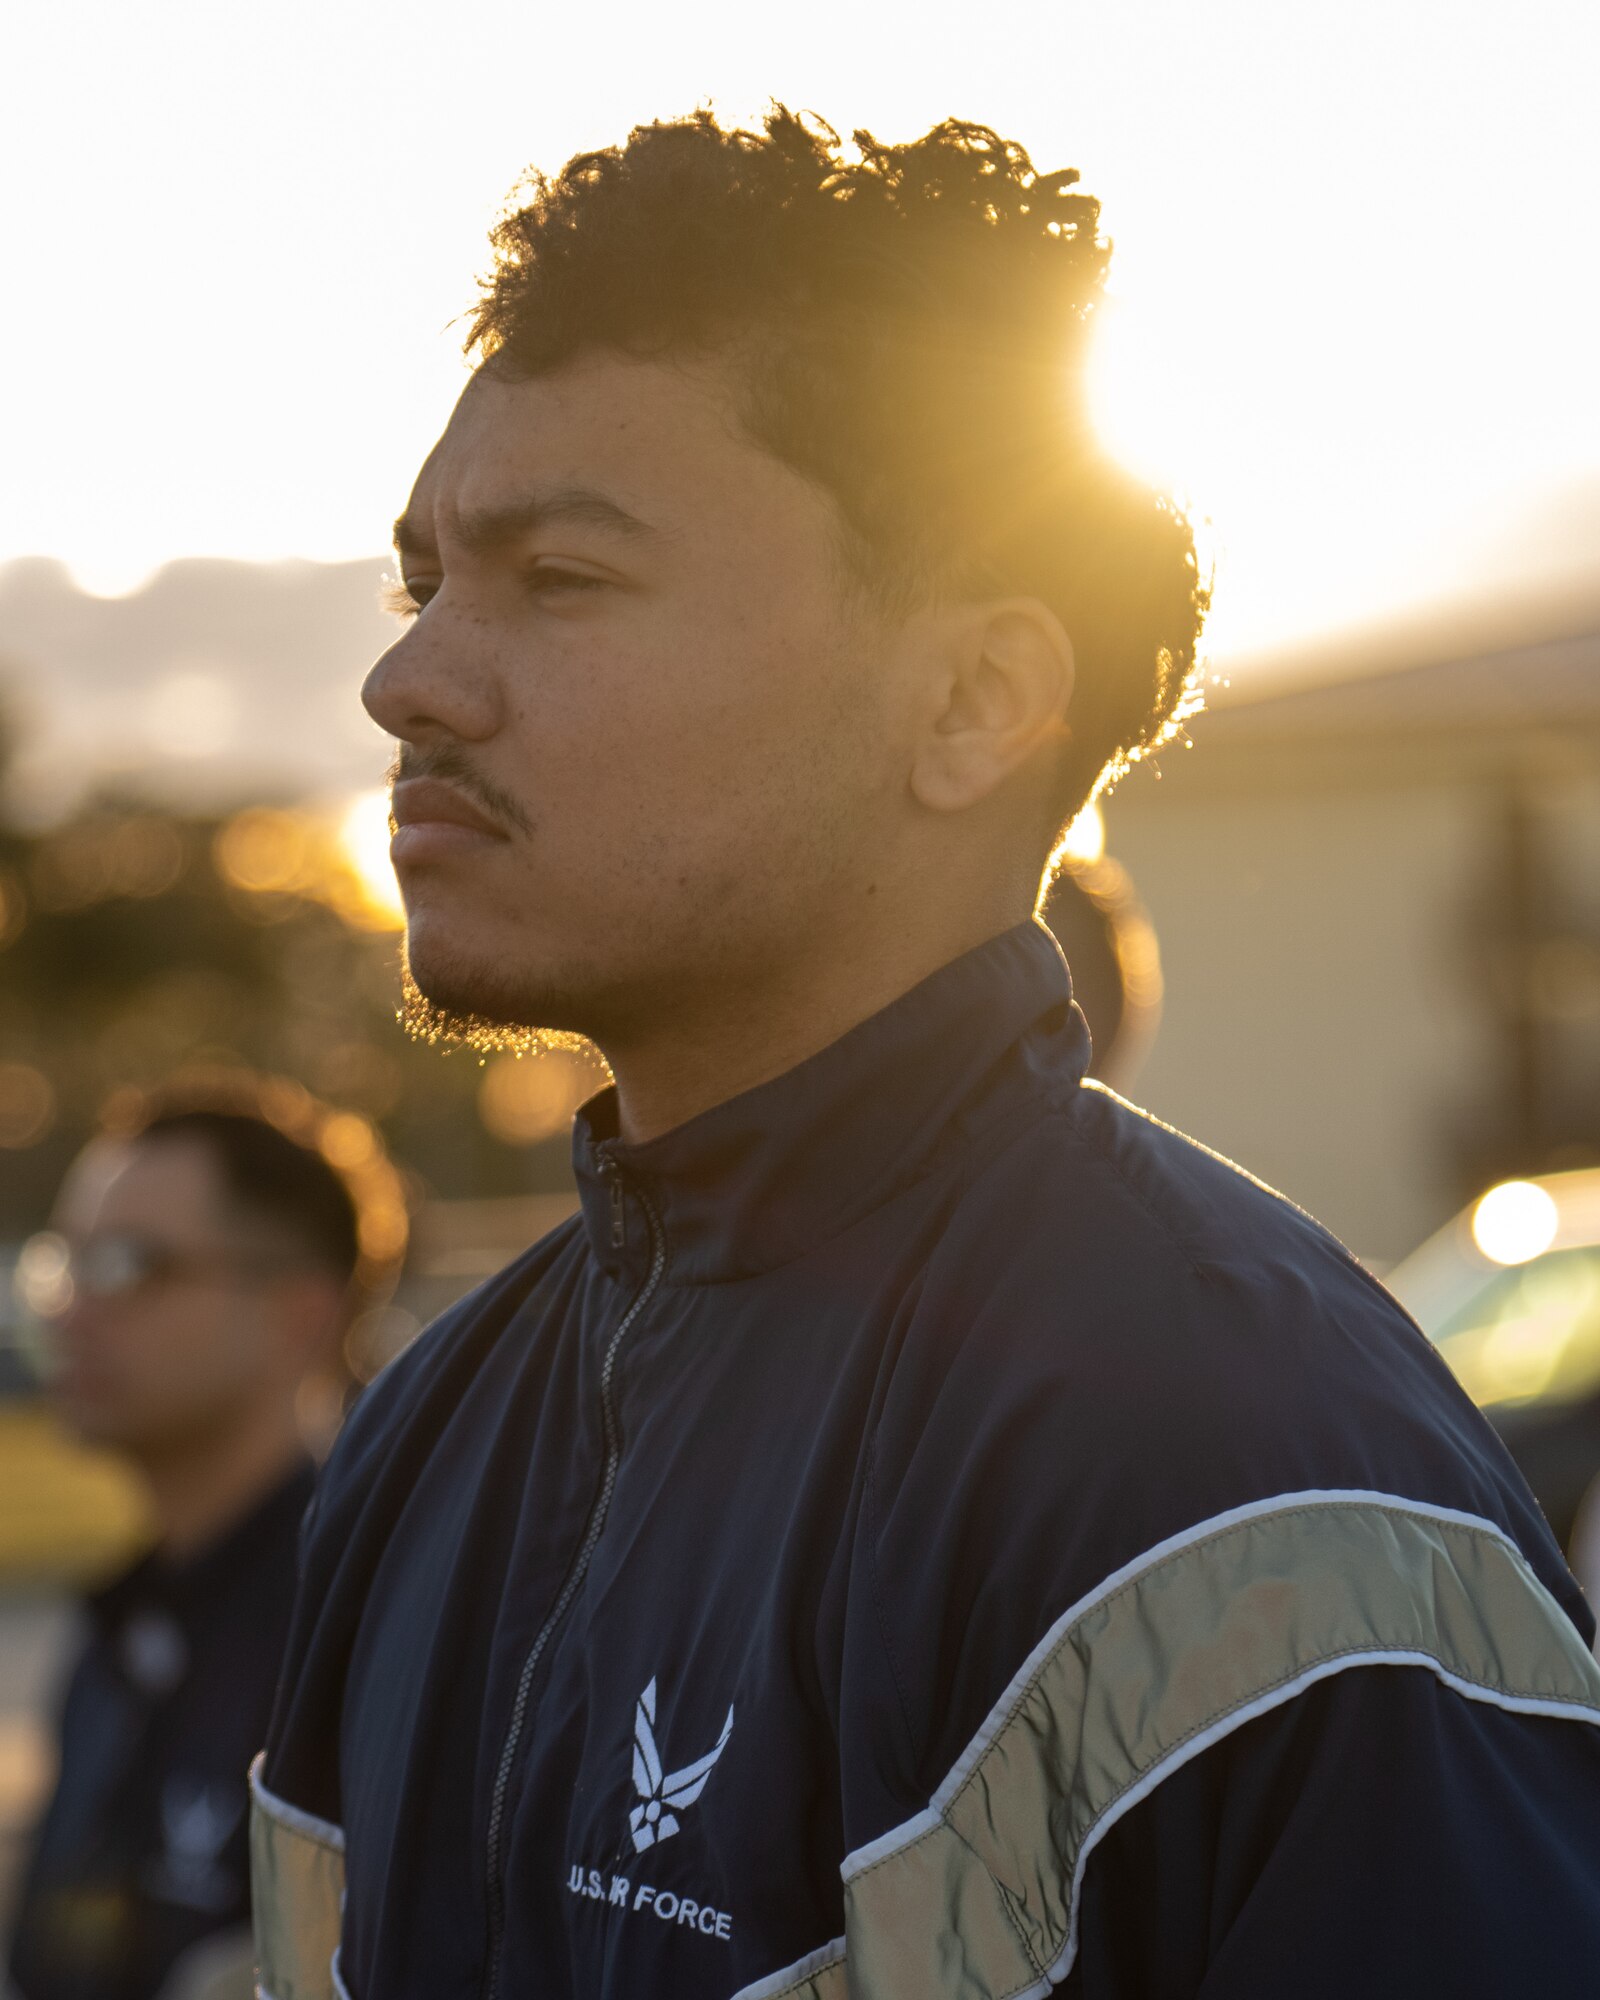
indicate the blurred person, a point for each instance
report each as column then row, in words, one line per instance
column 210, row 1259
column 924, row 1527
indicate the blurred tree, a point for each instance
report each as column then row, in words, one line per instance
column 138, row 945
column 128, row 955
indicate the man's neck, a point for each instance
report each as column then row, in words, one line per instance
column 700, row 1054
column 200, row 1490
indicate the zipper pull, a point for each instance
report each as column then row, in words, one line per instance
column 619, row 1215
column 619, row 1212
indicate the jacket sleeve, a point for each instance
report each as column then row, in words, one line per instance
column 1380, row 1835
column 1212, row 1766
column 1225, row 1654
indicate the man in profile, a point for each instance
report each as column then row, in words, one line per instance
column 209, row 1268
column 924, row 1528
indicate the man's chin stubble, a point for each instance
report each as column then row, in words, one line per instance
column 457, row 1006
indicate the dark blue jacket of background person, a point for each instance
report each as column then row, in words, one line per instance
column 142, row 1855
column 927, row 1529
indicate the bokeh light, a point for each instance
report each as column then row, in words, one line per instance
column 140, row 855
column 526, row 1098
column 347, row 1140
column 364, row 831
column 337, row 856
column 262, row 850
column 1085, row 840
column 1515, row 1222
column 43, row 1277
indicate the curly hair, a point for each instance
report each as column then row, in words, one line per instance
column 914, row 325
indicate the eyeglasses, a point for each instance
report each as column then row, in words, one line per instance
column 51, row 1272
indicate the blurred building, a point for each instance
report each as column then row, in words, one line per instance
column 1378, row 900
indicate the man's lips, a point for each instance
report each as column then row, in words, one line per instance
column 432, row 818
column 420, row 800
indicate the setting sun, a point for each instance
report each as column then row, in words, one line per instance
column 1353, row 320
column 364, row 835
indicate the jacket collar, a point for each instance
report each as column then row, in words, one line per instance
column 765, row 1177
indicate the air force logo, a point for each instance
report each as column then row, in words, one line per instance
column 663, row 1797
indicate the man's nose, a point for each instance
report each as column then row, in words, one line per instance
column 432, row 682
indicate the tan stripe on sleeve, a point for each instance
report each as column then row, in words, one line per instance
column 297, row 1897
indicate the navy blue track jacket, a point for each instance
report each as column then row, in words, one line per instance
column 925, row 1529
column 141, row 1859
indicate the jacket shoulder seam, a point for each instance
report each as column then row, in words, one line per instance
column 1092, row 1145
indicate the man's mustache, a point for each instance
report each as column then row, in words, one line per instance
column 450, row 764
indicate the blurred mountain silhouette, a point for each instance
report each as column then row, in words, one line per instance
column 213, row 681
column 220, row 680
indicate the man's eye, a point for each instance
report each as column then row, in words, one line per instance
column 405, row 600
column 545, row 579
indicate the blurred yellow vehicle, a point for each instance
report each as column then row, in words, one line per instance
column 67, row 1515
column 1509, row 1291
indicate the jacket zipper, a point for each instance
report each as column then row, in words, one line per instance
column 569, row 1590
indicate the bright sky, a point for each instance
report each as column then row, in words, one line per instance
column 1359, row 305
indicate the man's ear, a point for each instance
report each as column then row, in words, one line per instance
column 1002, row 697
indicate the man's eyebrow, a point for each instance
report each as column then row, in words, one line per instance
column 490, row 528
